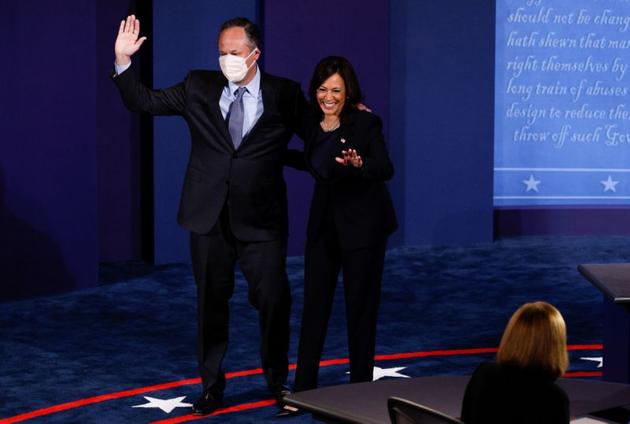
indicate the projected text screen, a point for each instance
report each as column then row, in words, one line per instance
column 562, row 110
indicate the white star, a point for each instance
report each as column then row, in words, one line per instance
column 388, row 372
column 166, row 405
column 531, row 184
column 599, row 359
column 609, row 184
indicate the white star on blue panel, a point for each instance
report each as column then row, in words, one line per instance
column 531, row 183
column 609, row 185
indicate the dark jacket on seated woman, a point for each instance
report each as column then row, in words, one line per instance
column 508, row 394
column 520, row 388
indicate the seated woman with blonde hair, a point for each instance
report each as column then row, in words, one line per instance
column 520, row 387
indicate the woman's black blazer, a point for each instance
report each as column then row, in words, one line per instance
column 357, row 198
column 499, row 394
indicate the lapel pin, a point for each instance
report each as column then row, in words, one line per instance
column 343, row 140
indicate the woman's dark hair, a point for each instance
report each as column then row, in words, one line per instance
column 250, row 28
column 326, row 68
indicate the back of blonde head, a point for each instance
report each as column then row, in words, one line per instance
column 535, row 337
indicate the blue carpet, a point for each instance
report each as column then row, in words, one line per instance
column 138, row 327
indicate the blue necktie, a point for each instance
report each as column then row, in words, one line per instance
column 235, row 118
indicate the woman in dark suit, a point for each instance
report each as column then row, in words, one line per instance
column 520, row 387
column 350, row 218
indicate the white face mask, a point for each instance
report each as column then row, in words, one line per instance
column 235, row 67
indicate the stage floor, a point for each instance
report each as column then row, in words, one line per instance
column 96, row 355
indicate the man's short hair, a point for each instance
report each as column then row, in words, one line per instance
column 251, row 30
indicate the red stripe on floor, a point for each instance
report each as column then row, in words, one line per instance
column 583, row 374
column 340, row 361
column 449, row 352
column 585, row 347
column 228, row 410
column 245, row 373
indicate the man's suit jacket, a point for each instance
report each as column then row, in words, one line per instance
column 358, row 198
column 248, row 179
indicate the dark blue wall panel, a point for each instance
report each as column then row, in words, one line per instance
column 48, row 186
column 442, row 81
column 568, row 220
column 184, row 37
column 118, row 146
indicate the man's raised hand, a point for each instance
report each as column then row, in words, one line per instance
column 127, row 42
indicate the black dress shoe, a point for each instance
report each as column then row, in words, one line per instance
column 207, row 403
column 279, row 392
column 288, row 411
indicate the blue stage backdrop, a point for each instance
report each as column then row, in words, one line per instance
column 69, row 165
column 48, row 157
column 441, row 90
column 443, row 183
column 184, row 37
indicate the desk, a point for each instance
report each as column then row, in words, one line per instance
column 366, row 403
column 613, row 280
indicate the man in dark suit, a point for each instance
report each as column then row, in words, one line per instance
column 234, row 196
